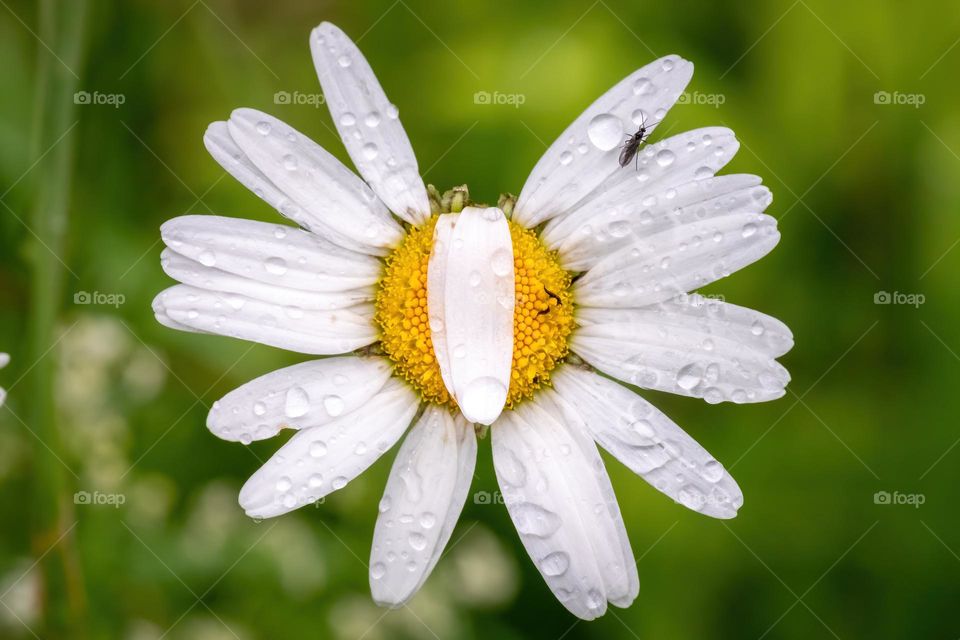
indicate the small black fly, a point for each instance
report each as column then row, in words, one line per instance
column 632, row 144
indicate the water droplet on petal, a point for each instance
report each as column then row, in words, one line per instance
column 665, row 157
column 418, row 541
column 333, row 405
column 689, row 376
column 605, row 131
column 297, row 402
column 555, row 564
column 275, row 266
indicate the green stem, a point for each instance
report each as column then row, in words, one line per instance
column 61, row 27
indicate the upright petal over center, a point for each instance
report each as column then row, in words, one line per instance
column 470, row 299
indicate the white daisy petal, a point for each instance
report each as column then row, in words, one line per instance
column 476, row 310
column 586, row 153
column 368, row 124
column 269, row 253
column 436, row 294
column 421, row 504
column 228, row 154
column 298, row 397
column 195, row 274
column 648, row 442
column 630, row 200
column 324, row 188
column 697, row 200
column 677, row 260
column 287, row 327
column 161, row 316
column 711, row 318
column 633, row 195
column 319, row 460
column 560, row 500
column 683, row 358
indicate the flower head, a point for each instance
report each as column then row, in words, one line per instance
column 525, row 316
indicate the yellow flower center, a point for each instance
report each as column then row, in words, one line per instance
column 542, row 318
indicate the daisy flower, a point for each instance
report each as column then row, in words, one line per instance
column 446, row 317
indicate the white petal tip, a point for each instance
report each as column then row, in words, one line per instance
column 482, row 400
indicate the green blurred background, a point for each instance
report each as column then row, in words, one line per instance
column 103, row 399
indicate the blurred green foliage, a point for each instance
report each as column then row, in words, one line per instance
column 867, row 194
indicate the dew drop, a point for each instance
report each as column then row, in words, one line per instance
column 555, row 564
column 418, row 541
column 502, row 262
column 605, row 131
column 642, row 85
column 263, row 128
column 297, row 402
column 318, row 449
column 275, row 266
column 689, row 376
column 333, row 405
column 713, row 471
column 370, row 151
column 665, row 157
column 533, row 520
column 207, row 258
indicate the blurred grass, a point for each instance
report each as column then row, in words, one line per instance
column 867, row 196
